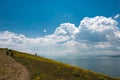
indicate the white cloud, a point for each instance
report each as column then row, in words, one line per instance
column 98, row 35
column 117, row 16
column 66, row 29
column 97, row 29
column 11, row 38
column 103, row 45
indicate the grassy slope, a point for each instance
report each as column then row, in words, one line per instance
column 47, row 69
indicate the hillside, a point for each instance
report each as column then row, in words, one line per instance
column 10, row 69
column 46, row 69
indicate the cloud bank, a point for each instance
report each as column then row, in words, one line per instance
column 94, row 36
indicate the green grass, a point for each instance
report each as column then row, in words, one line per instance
column 46, row 69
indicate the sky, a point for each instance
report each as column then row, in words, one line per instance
column 62, row 26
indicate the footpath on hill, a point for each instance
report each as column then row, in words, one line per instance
column 10, row 69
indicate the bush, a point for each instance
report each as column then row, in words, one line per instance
column 101, row 78
column 76, row 73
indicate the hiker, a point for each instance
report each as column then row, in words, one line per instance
column 7, row 53
column 35, row 54
column 10, row 52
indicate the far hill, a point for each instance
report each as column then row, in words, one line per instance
column 46, row 69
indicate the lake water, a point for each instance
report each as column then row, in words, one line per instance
column 105, row 65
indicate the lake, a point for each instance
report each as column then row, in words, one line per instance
column 106, row 65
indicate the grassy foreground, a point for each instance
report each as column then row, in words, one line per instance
column 46, row 69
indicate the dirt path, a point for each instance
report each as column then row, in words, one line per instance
column 11, row 69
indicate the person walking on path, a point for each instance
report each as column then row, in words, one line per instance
column 7, row 52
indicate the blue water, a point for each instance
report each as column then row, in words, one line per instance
column 106, row 65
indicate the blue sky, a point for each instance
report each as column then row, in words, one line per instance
column 62, row 27
column 31, row 17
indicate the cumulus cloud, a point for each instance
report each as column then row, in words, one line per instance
column 66, row 29
column 97, row 29
column 94, row 36
column 11, row 38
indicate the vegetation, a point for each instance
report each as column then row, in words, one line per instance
column 46, row 69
